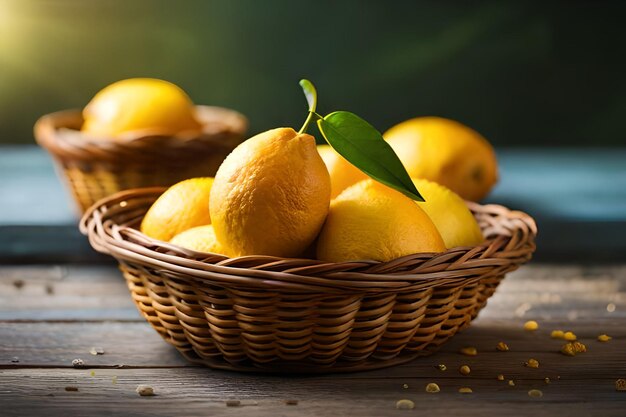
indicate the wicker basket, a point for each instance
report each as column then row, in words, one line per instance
column 261, row 313
column 94, row 168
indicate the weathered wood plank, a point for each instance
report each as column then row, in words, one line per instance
column 137, row 345
column 93, row 293
column 64, row 293
column 196, row 391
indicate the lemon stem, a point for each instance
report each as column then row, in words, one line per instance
column 312, row 116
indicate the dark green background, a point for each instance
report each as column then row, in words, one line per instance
column 522, row 73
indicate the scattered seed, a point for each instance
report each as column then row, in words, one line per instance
column 432, row 388
column 465, row 390
column 558, row 377
column 546, row 380
column 532, row 363
column 291, row 402
column 233, row 403
column 77, row 363
column 49, row 289
column 405, row 386
column 465, row 370
column 114, row 380
column 442, row 367
column 15, row 359
column 531, row 325
column 18, row 284
column 569, row 336
column 573, row 348
column 145, row 390
column 604, row 338
column 535, row 393
column 511, row 383
column 469, row 351
column 71, row 389
column 92, row 373
column 557, row 334
column 500, row 377
column 610, row 307
column 502, row 347
column 620, row 385
column 96, row 351
column 405, row 405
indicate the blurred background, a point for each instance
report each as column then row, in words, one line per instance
column 522, row 73
column 543, row 81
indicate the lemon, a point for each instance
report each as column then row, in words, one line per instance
column 342, row 173
column 200, row 239
column 270, row 195
column 448, row 211
column 139, row 104
column 371, row 221
column 446, row 152
column 182, row 206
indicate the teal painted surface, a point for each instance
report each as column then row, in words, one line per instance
column 569, row 184
column 522, row 73
column 578, row 185
column 577, row 196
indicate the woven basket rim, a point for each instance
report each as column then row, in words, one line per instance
column 108, row 225
column 59, row 133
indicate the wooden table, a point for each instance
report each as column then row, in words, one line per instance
column 59, row 299
column 51, row 315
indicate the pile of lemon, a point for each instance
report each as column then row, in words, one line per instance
column 279, row 194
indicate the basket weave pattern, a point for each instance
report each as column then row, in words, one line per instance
column 300, row 315
column 94, row 168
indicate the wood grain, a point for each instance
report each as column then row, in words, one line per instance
column 50, row 315
column 197, row 391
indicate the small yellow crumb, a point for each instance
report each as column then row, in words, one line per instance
column 469, row 351
column 502, row 347
column 114, row 380
column 620, row 385
column 604, row 338
column 573, row 348
column 569, row 336
column 442, row 367
column 432, row 388
column 532, row 363
column 405, row 405
column 405, row 386
column 535, row 393
column 465, row 370
column 92, row 373
column 546, row 380
column 531, row 325
column 465, row 390
column 511, row 383
column 557, row 334
column 500, row 377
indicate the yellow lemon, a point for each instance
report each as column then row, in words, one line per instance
column 200, row 239
column 342, row 173
column 184, row 205
column 448, row 211
column 139, row 104
column 446, row 152
column 371, row 221
column 270, row 195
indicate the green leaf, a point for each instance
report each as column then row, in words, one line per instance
column 364, row 147
column 310, row 93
